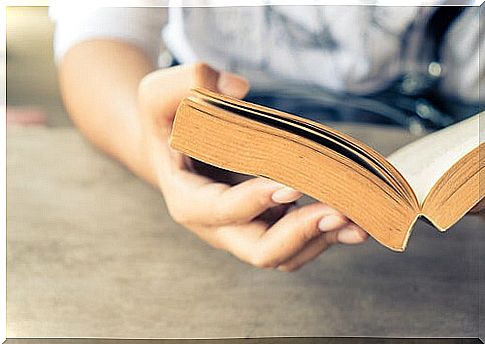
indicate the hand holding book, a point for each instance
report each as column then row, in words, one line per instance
column 252, row 219
column 437, row 177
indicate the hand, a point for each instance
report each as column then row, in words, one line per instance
column 254, row 219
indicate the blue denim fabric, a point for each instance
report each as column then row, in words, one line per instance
column 419, row 109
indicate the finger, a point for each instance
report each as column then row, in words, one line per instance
column 286, row 195
column 292, row 233
column 160, row 92
column 268, row 248
column 159, row 95
column 310, row 252
column 272, row 215
column 218, row 204
column 232, row 85
column 172, row 167
column 249, row 199
column 350, row 234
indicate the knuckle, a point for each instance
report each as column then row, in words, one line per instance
column 262, row 264
column 263, row 199
column 149, row 82
column 200, row 67
column 307, row 224
column 144, row 100
column 263, row 261
column 177, row 214
column 288, row 268
column 212, row 237
column 145, row 83
column 148, row 93
column 308, row 231
column 204, row 75
column 219, row 244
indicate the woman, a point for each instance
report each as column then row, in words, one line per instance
column 122, row 93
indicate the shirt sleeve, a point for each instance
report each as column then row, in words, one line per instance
column 141, row 26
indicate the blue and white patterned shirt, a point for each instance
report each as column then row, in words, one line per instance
column 357, row 49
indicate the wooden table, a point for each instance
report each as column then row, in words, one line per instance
column 92, row 252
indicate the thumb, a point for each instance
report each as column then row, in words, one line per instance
column 206, row 76
column 232, row 85
column 160, row 92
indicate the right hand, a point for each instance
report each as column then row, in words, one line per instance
column 251, row 219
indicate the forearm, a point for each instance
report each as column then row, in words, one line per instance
column 99, row 82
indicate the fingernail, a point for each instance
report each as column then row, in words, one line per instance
column 351, row 234
column 271, row 183
column 285, row 195
column 331, row 222
column 232, row 85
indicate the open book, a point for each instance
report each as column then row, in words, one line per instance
column 437, row 176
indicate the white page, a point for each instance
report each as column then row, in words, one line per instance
column 424, row 161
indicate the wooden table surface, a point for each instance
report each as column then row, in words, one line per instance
column 92, row 252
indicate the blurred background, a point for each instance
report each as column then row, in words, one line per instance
column 33, row 93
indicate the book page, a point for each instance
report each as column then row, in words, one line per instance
column 423, row 162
